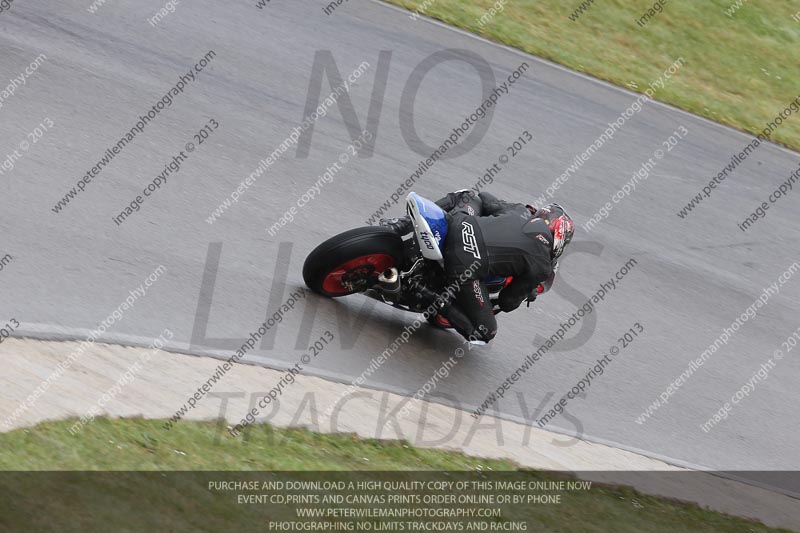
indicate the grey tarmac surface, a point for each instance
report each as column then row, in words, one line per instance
column 692, row 277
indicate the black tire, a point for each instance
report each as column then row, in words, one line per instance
column 346, row 247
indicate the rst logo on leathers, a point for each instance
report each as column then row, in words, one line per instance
column 468, row 236
column 476, row 288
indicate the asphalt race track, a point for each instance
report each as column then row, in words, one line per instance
column 691, row 278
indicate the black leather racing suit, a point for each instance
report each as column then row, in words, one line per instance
column 488, row 236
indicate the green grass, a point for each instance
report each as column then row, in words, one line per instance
column 174, row 502
column 740, row 70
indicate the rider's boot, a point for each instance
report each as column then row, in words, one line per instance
column 401, row 225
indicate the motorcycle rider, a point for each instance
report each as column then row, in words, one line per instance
column 503, row 239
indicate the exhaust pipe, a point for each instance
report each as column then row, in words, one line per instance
column 390, row 280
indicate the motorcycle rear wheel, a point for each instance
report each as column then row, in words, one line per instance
column 350, row 262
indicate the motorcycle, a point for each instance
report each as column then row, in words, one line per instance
column 379, row 263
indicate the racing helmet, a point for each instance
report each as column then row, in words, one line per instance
column 561, row 226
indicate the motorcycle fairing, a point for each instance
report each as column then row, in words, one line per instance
column 430, row 225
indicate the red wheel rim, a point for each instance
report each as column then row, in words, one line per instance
column 356, row 269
